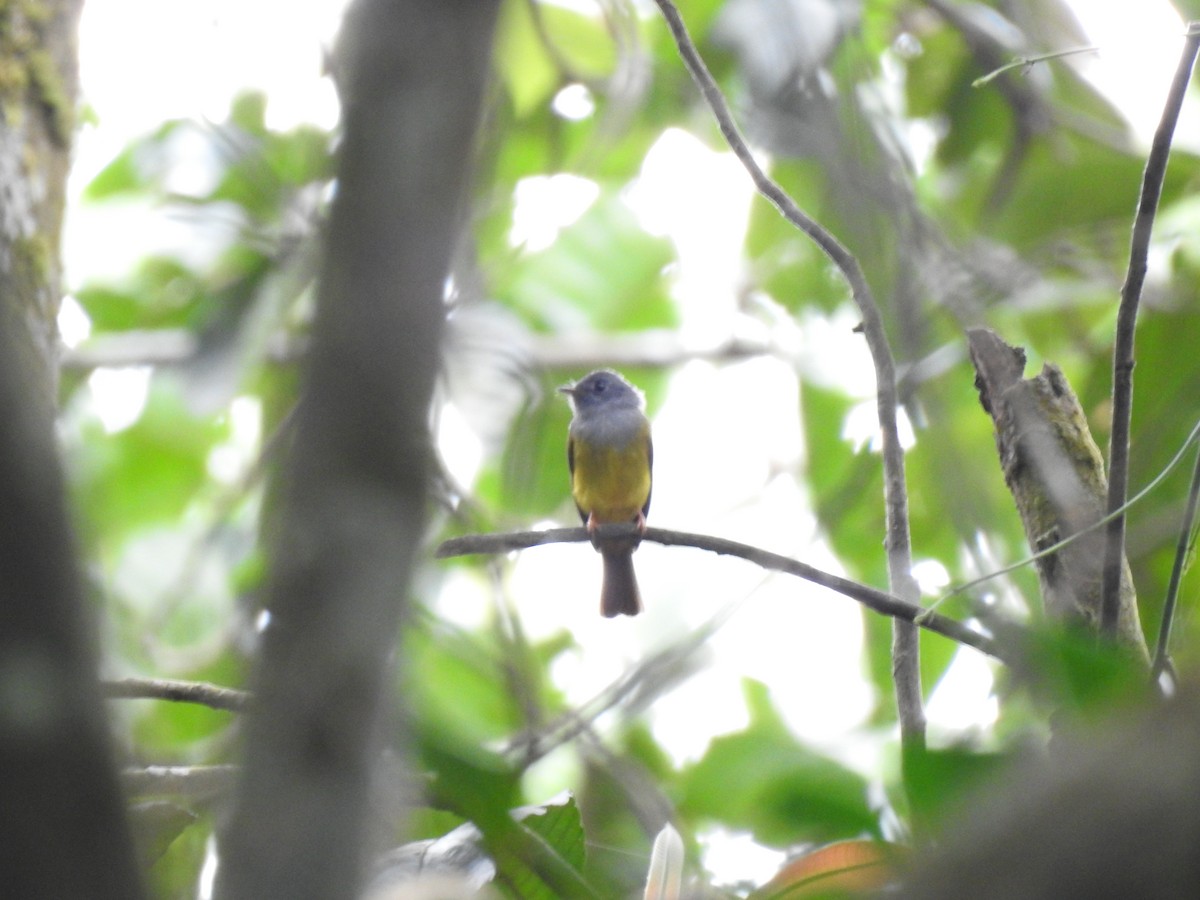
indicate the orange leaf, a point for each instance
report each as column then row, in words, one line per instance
column 843, row 867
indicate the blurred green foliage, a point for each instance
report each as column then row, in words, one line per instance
column 964, row 207
column 765, row 781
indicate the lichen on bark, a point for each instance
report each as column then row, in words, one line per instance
column 1055, row 473
column 38, row 85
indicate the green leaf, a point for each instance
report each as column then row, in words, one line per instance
column 1074, row 674
column 126, row 174
column 111, row 309
column 877, row 641
column 557, row 829
column 138, row 169
column 300, row 157
column 175, row 730
column 161, row 293
column 1160, row 426
column 1068, row 194
column 533, row 479
column 176, row 872
column 541, row 858
column 786, row 264
column 583, row 40
column 603, row 273
column 526, row 68
column 561, row 827
column 147, row 473
column 937, row 653
column 426, row 823
column 936, row 781
column 847, row 484
column 249, row 112
column 764, row 780
column 465, row 778
column 156, row 824
column 462, row 685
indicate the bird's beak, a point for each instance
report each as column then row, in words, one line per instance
column 567, row 389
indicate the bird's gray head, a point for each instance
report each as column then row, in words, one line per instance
column 605, row 389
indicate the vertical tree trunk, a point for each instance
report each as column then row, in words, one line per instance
column 62, row 824
column 38, row 88
column 412, row 80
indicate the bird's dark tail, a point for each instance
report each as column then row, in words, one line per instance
column 619, row 590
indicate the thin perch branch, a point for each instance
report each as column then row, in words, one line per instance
column 906, row 669
column 198, row 692
column 872, row 598
column 1131, row 292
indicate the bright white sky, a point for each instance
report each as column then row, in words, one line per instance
column 144, row 61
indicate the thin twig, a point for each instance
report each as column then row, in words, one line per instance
column 1131, row 291
column 194, row 782
column 1025, row 62
column 906, row 670
column 160, row 347
column 872, row 598
column 763, row 183
column 905, row 648
column 654, row 669
column 1183, row 549
column 1032, row 113
column 198, row 692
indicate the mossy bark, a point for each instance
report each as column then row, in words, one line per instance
column 62, row 823
column 1055, row 473
column 38, row 86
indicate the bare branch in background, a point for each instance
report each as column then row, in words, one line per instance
column 906, row 669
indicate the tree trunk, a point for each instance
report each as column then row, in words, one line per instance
column 62, row 825
column 412, row 85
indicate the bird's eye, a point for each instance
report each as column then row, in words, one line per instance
column 600, row 386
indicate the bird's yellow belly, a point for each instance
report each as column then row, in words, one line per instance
column 611, row 484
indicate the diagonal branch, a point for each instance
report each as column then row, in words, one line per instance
column 895, row 607
column 905, row 648
column 1131, row 292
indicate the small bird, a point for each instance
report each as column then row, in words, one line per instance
column 610, row 455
